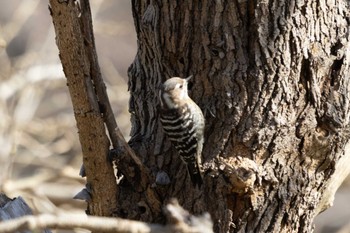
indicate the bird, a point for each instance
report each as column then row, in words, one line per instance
column 183, row 123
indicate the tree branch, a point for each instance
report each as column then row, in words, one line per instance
column 76, row 43
column 181, row 221
column 71, row 42
column 125, row 155
column 71, row 221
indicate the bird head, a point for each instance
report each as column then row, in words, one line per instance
column 173, row 91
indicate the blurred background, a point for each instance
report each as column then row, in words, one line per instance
column 40, row 154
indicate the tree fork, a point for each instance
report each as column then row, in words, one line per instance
column 75, row 41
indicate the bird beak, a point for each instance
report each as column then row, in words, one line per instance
column 189, row 78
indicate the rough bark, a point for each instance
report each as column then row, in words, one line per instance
column 75, row 41
column 272, row 80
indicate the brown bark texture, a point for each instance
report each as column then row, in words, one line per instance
column 272, row 80
column 75, row 41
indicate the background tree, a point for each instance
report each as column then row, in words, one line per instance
column 271, row 80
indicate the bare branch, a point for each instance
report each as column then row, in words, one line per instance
column 126, row 155
column 70, row 221
column 181, row 221
column 73, row 47
column 75, row 40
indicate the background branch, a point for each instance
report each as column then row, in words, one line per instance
column 181, row 221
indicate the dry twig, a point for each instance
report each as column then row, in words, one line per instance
column 181, row 221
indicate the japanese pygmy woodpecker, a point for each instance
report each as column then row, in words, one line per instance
column 183, row 123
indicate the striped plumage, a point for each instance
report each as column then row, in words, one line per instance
column 183, row 123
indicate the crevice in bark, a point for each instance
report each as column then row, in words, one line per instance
column 335, row 72
column 304, row 79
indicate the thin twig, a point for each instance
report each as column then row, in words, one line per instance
column 71, row 221
column 104, row 224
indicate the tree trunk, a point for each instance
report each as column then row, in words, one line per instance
column 271, row 79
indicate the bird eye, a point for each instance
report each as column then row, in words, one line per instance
column 181, row 86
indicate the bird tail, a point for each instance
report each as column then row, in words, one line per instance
column 195, row 174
